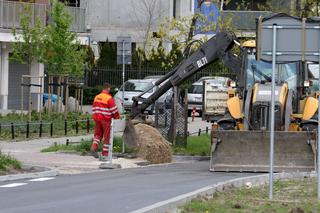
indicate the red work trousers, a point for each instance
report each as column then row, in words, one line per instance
column 102, row 130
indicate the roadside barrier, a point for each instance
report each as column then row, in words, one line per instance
column 44, row 128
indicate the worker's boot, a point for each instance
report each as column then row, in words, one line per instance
column 94, row 153
column 104, row 158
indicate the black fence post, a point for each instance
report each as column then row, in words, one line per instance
column 207, row 130
column 199, row 133
column 0, row 130
column 12, row 131
column 88, row 125
column 51, row 129
column 65, row 127
column 77, row 127
column 40, row 129
column 27, row 129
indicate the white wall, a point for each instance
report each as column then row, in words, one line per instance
column 112, row 18
column 4, row 75
column 37, row 70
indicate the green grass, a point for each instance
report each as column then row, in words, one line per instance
column 7, row 163
column 289, row 196
column 196, row 145
column 84, row 147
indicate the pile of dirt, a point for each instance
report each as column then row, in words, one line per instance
column 151, row 145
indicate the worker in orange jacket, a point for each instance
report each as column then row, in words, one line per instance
column 103, row 110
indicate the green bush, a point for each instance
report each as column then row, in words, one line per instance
column 89, row 93
column 8, row 162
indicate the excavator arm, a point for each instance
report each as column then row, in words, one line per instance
column 218, row 47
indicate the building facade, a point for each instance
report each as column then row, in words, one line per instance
column 10, row 71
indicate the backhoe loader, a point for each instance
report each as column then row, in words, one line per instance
column 240, row 140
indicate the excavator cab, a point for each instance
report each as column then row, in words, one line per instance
column 245, row 145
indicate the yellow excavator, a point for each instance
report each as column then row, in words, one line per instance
column 240, row 140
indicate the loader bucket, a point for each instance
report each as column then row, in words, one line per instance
column 130, row 137
column 248, row 151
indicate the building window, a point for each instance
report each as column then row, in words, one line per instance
column 72, row 3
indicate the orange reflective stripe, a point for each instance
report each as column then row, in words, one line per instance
column 102, row 98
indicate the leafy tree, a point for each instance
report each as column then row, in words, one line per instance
column 89, row 56
column 30, row 46
column 108, row 55
column 64, row 54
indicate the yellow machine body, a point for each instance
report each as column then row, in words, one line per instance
column 241, row 140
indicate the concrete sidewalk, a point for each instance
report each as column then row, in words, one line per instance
column 29, row 152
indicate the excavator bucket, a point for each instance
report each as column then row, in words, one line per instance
column 248, row 151
column 130, row 137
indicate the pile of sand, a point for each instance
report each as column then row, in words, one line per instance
column 151, row 145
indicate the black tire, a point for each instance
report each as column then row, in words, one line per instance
column 226, row 126
column 309, row 127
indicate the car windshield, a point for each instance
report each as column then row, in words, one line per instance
column 137, row 86
column 196, row 89
column 260, row 71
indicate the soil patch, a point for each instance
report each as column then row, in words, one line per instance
column 14, row 171
column 151, row 145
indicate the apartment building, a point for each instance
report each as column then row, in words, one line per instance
column 10, row 71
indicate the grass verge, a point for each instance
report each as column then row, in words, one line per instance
column 293, row 196
column 196, row 145
column 8, row 163
column 84, row 147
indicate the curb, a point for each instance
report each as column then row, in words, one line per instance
column 44, row 172
column 172, row 204
column 179, row 158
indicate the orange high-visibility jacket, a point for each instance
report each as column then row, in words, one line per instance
column 104, row 107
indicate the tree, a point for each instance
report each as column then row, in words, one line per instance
column 108, row 55
column 146, row 13
column 29, row 46
column 64, row 54
column 301, row 8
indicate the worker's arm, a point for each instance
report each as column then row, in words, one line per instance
column 114, row 109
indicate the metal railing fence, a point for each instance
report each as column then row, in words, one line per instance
column 10, row 14
column 113, row 75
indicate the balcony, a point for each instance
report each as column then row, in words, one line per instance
column 10, row 15
column 244, row 20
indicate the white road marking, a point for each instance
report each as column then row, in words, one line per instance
column 12, row 185
column 41, row 179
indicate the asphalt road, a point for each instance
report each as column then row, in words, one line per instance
column 108, row 191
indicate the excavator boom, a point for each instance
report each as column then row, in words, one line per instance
column 218, row 47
